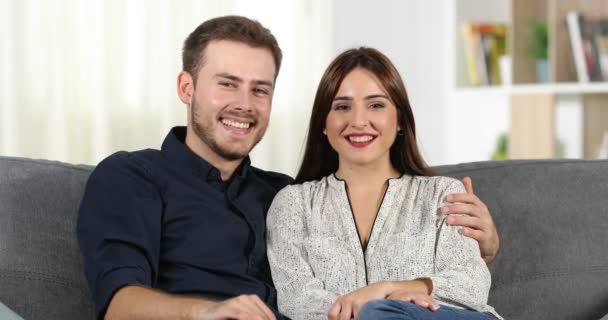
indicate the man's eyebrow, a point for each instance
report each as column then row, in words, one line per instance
column 229, row 77
column 263, row 82
column 234, row 78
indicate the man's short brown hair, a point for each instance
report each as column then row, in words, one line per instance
column 232, row 28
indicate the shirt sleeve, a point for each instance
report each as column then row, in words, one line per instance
column 119, row 228
column 300, row 294
column 461, row 276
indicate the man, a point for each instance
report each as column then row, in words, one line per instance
column 180, row 232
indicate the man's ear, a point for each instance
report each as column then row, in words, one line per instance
column 185, row 87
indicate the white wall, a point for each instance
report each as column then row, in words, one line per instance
column 412, row 34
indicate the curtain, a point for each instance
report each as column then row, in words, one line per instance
column 82, row 79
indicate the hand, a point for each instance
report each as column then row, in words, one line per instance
column 420, row 299
column 347, row 306
column 477, row 222
column 243, row 307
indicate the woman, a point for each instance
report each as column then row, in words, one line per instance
column 359, row 234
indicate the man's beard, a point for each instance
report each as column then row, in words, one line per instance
column 203, row 129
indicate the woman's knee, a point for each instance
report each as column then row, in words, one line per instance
column 371, row 310
column 383, row 309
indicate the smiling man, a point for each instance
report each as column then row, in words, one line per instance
column 179, row 233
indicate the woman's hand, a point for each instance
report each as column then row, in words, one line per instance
column 418, row 298
column 347, row 306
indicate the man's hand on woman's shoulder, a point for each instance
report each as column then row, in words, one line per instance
column 477, row 223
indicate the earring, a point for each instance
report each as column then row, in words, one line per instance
column 325, row 131
column 400, row 132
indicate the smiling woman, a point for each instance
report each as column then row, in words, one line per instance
column 359, row 235
column 82, row 79
column 362, row 102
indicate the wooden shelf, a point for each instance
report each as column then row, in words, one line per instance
column 536, row 107
column 574, row 88
column 566, row 88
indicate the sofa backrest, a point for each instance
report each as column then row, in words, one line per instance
column 552, row 217
column 553, row 223
column 41, row 275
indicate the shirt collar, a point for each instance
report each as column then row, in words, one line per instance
column 336, row 182
column 174, row 148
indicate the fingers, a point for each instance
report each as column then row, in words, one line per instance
column 426, row 302
column 262, row 307
column 468, row 184
column 478, row 235
column 463, row 198
column 334, row 311
column 461, row 208
column 465, row 221
column 432, row 304
column 346, row 312
column 341, row 310
column 422, row 300
column 245, row 307
column 470, row 226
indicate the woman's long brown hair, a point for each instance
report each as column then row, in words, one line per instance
column 320, row 159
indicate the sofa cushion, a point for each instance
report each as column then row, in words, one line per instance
column 553, row 222
column 41, row 275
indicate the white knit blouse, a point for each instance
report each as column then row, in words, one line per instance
column 315, row 253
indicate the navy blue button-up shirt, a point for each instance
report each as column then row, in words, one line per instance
column 166, row 220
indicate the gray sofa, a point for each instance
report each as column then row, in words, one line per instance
column 552, row 215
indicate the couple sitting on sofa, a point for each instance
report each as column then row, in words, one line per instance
column 365, row 231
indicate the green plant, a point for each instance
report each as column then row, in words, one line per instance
column 500, row 153
column 538, row 40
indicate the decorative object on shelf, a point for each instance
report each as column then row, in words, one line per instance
column 500, row 153
column 538, row 49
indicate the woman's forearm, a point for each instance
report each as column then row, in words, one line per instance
column 423, row 285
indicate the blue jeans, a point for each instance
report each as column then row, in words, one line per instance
column 400, row 310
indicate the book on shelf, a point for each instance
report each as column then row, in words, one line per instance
column 484, row 43
column 589, row 43
column 601, row 38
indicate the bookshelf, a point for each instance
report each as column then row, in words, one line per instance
column 536, row 124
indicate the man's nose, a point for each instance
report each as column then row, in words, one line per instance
column 243, row 100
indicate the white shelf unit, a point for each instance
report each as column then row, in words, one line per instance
column 558, row 119
column 567, row 88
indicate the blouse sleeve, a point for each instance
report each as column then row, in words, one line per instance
column 461, row 276
column 300, row 294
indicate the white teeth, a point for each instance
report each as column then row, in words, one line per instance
column 360, row 138
column 235, row 124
